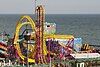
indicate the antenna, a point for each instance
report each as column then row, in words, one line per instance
column 34, row 2
column 34, row 12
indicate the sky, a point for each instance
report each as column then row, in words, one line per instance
column 51, row 6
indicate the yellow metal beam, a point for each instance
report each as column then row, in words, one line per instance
column 59, row 36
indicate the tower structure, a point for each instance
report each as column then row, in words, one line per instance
column 39, row 54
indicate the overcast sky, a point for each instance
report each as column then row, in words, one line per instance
column 52, row 6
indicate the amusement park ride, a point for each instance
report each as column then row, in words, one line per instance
column 38, row 42
column 39, row 49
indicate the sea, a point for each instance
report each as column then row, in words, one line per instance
column 85, row 26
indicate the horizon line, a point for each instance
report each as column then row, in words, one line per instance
column 51, row 13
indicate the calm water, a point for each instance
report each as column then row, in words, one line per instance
column 85, row 26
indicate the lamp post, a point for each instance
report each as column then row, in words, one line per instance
column 27, row 38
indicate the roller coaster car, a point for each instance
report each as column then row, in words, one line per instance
column 87, row 48
column 27, row 37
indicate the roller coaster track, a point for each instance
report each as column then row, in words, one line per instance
column 25, row 20
column 40, row 41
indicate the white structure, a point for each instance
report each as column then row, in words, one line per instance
column 49, row 28
column 85, row 55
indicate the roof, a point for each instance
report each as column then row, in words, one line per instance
column 85, row 55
